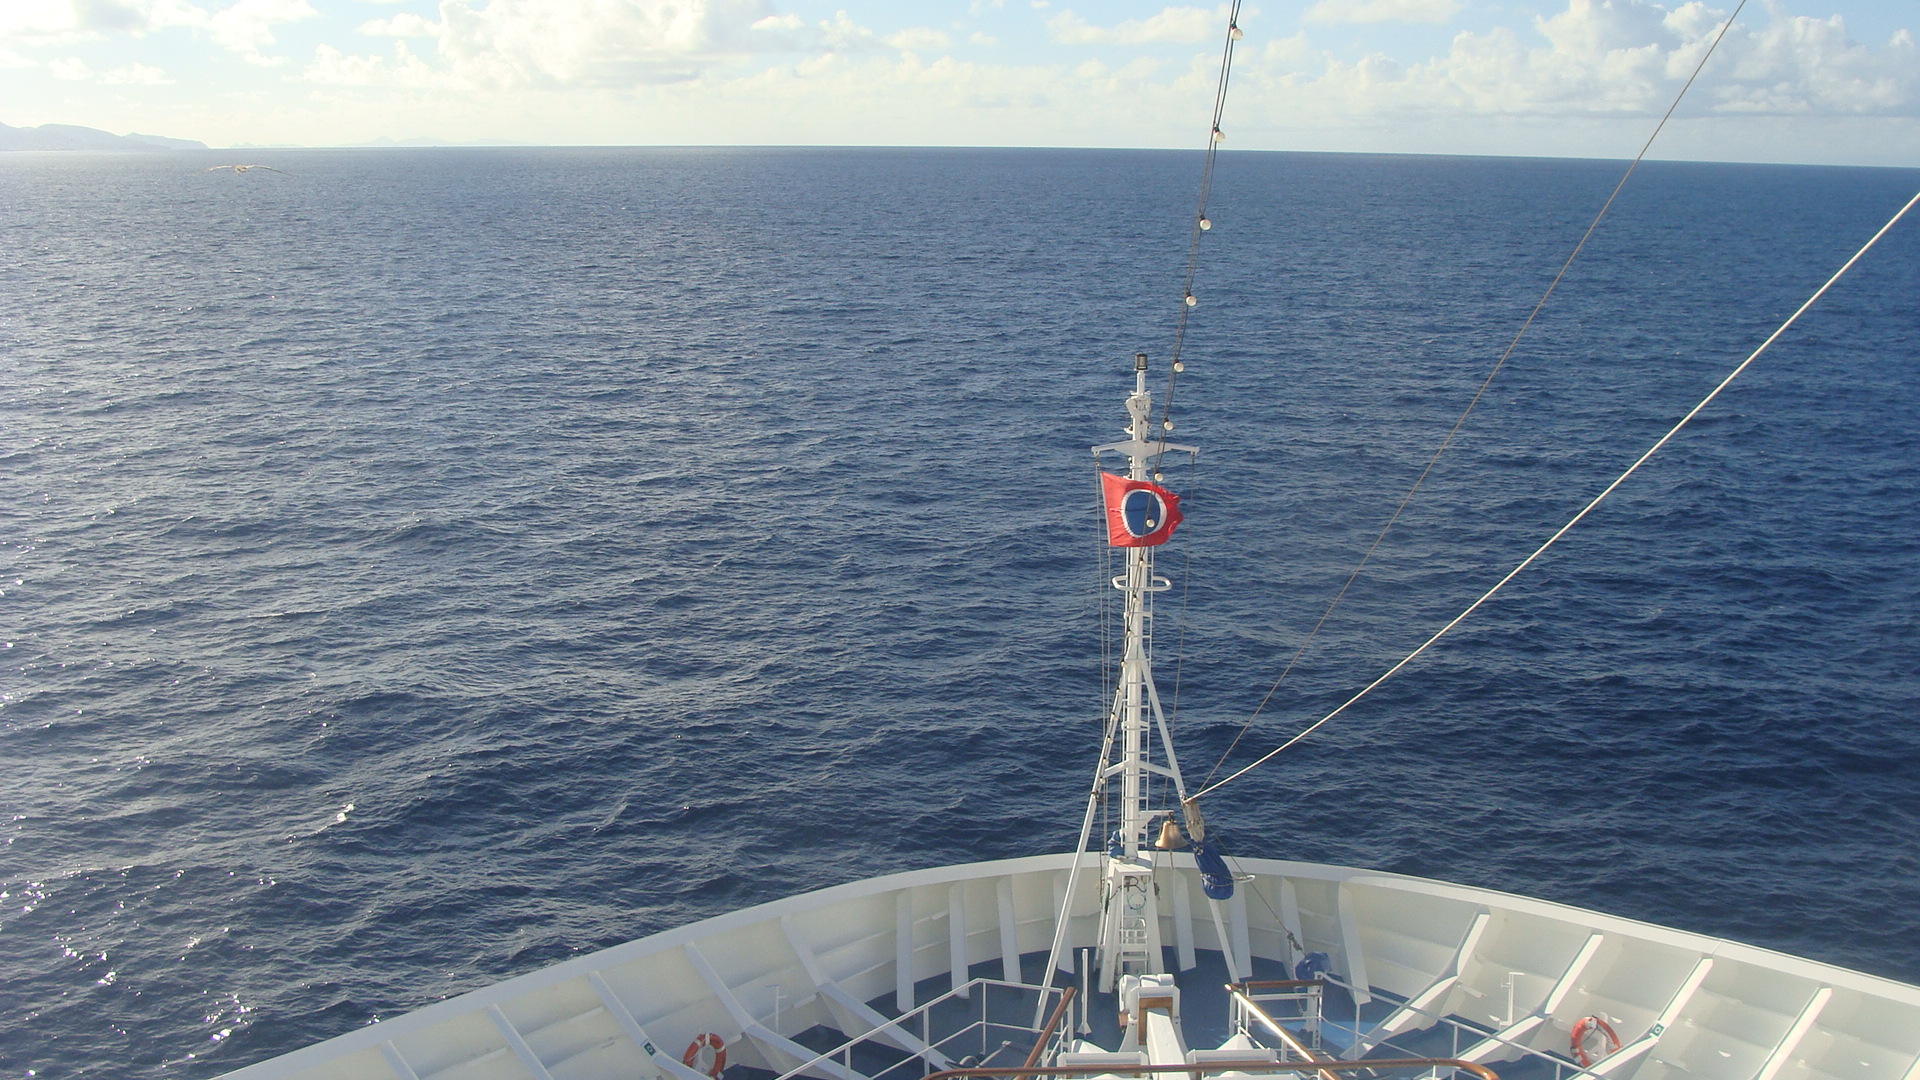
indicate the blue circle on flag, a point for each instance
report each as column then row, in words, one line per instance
column 1142, row 511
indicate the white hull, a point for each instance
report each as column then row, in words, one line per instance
column 1686, row 1006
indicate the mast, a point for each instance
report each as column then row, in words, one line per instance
column 1130, row 924
column 1129, row 920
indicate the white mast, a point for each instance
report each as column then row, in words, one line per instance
column 1130, row 924
column 1129, row 920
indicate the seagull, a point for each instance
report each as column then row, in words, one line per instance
column 244, row 168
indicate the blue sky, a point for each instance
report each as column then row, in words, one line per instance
column 1796, row 80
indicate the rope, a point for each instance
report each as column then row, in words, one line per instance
column 1588, row 509
column 1474, row 402
column 1186, row 592
column 1103, row 592
column 1200, row 222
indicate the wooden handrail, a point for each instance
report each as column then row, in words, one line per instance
column 1122, row 1069
column 1046, row 1033
column 1245, row 1000
column 1278, row 984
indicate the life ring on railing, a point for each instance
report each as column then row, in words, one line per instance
column 1593, row 1039
column 708, row 1053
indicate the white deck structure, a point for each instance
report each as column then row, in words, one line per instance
column 1685, row 1006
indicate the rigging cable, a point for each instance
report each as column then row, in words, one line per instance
column 1577, row 518
column 1472, row 403
column 1200, row 224
column 1186, row 593
column 1102, row 595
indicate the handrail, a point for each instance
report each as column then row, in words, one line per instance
column 1240, row 995
column 1478, row 1070
column 1459, row 1024
column 899, row 1023
column 1278, row 984
column 1052, row 1027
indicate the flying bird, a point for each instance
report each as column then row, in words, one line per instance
column 244, row 168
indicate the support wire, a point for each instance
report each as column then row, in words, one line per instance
column 1473, row 403
column 1588, row 509
column 1200, row 221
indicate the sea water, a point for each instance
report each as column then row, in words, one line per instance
column 418, row 567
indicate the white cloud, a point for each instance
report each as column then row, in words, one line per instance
column 73, row 69
column 1177, row 25
column 247, row 26
column 405, row 24
column 744, row 71
column 919, row 39
column 1803, row 65
column 1604, row 58
column 842, row 34
column 501, row 44
column 1135, row 73
column 1289, row 54
column 50, row 21
column 814, row 66
column 1381, row 11
column 1590, row 29
column 331, row 67
column 600, row 42
column 136, row 75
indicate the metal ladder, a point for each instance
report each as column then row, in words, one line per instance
column 1132, row 953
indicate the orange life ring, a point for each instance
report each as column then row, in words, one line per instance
column 708, row 1053
column 1593, row 1039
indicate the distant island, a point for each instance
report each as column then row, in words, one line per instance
column 72, row 137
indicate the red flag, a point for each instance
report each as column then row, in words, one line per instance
column 1139, row 514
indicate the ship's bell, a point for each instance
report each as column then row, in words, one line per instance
column 1171, row 839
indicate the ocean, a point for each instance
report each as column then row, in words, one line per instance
column 421, row 566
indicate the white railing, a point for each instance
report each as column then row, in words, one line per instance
column 976, row 1028
column 1562, row 1068
column 1299, row 1001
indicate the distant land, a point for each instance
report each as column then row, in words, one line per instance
column 72, row 137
